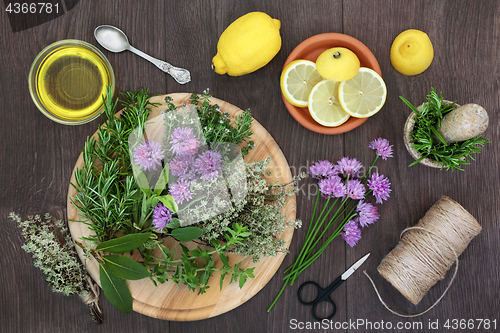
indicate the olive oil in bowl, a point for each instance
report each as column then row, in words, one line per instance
column 68, row 80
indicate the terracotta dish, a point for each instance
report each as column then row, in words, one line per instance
column 310, row 49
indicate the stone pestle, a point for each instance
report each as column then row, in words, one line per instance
column 463, row 123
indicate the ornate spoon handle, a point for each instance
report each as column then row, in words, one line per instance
column 180, row 75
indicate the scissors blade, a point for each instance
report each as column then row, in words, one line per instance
column 354, row 267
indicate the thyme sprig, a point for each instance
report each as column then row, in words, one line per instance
column 54, row 254
column 430, row 144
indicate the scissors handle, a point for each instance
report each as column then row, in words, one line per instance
column 299, row 295
column 323, row 296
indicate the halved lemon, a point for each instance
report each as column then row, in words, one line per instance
column 324, row 104
column 364, row 94
column 297, row 80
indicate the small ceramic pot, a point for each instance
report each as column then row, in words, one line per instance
column 409, row 125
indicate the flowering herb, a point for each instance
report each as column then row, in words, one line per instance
column 424, row 134
column 341, row 183
column 217, row 126
column 125, row 188
column 208, row 164
column 260, row 212
column 184, row 142
column 148, row 155
column 161, row 216
column 54, row 253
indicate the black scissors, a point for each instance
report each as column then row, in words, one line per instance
column 324, row 294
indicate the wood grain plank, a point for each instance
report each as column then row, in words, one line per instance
column 37, row 155
column 36, row 166
column 260, row 92
column 464, row 36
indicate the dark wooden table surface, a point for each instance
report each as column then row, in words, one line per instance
column 37, row 155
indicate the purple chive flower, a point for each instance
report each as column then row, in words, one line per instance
column 355, row 190
column 180, row 191
column 322, row 169
column 349, row 167
column 367, row 213
column 148, row 155
column 183, row 141
column 382, row 146
column 181, row 166
column 351, row 233
column 208, row 164
column 161, row 216
column 380, row 186
column 332, row 187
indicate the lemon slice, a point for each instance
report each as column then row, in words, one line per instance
column 324, row 104
column 364, row 94
column 297, row 80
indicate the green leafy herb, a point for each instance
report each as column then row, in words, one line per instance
column 123, row 244
column 125, row 267
column 54, row 253
column 115, row 289
column 217, row 126
column 187, row 234
column 118, row 208
column 260, row 213
column 430, row 144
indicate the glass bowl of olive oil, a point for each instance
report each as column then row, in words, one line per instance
column 68, row 81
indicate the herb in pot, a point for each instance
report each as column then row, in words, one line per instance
column 430, row 142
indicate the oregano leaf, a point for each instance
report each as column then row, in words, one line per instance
column 243, row 279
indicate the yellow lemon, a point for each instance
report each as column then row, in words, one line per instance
column 324, row 104
column 364, row 94
column 297, row 80
column 337, row 64
column 411, row 52
column 247, row 44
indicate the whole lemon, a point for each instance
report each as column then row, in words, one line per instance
column 411, row 52
column 247, row 44
column 337, row 64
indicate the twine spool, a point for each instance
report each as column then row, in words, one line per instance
column 427, row 251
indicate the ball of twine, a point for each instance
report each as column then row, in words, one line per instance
column 428, row 250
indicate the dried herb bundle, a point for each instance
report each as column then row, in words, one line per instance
column 54, row 253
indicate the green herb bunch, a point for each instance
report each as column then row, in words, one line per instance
column 118, row 207
column 260, row 213
column 54, row 254
column 217, row 126
column 108, row 196
column 430, row 144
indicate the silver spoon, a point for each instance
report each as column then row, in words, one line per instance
column 115, row 40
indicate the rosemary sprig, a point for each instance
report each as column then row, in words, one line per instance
column 430, row 144
column 108, row 196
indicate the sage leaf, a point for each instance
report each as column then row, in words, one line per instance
column 124, row 244
column 115, row 290
column 169, row 202
column 186, row 234
column 162, row 180
column 125, row 268
column 140, row 179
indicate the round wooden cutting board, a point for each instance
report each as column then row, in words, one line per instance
column 169, row 302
